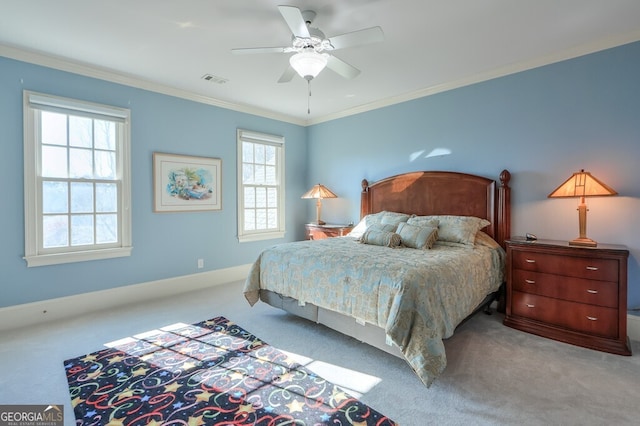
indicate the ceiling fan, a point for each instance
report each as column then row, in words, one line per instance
column 310, row 45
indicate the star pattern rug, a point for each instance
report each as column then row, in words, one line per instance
column 210, row 373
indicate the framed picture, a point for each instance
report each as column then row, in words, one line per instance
column 183, row 183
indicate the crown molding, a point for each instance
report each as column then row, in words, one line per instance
column 582, row 50
column 63, row 64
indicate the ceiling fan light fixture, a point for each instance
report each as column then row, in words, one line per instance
column 308, row 63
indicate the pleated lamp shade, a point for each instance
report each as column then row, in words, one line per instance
column 582, row 184
column 319, row 192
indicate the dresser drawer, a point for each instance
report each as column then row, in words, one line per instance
column 594, row 320
column 582, row 267
column 601, row 293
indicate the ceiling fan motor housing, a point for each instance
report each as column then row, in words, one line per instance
column 308, row 16
column 317, row 41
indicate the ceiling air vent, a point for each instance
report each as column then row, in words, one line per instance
column 214, row 78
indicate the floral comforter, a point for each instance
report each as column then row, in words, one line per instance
column 417, row 296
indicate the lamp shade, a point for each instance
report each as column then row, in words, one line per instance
column 319, row 191
column 582, row 184
column 308, row 63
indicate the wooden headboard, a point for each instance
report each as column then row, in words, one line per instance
column 452, row 193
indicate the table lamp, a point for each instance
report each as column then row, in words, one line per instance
column 319, row 192
column 582, row 184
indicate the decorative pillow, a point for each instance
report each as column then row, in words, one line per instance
column 392, row 218
column 380, row 227
column 483, row 239
column 378, row 236
column 455, row 229
column 429, row 221
column 385, row 217
column 418, row 237
column 364, row 223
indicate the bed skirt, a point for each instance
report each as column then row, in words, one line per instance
column 364, row 332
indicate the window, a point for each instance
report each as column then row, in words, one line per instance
column 76, row 177
column 260, row 186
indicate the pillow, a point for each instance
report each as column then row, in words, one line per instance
column 385, row 217
column 379, row 227
column 377, row 235
column 482, row 239
column 418, row 237
column 454, row 229
column 392, row 218
column 364, row 223
column 430, row 221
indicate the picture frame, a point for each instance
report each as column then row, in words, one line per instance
column 184, row 183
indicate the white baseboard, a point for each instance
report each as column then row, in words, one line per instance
column 633, row 327
column 53, row 309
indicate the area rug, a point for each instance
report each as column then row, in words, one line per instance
column 210, row 373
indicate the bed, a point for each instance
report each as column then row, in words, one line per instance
column 408, row 298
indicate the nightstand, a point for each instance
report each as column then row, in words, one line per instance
column 576, row 295
column 319, row 232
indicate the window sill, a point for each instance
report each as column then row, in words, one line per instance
column 260, row 237
column 80, row 256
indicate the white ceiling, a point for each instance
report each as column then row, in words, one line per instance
column 430, row 45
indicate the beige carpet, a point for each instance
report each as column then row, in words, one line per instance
column 496, row 375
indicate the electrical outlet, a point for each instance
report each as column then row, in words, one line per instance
column 200, row 263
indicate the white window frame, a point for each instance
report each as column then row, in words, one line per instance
column 35, row 254
column 278, row 142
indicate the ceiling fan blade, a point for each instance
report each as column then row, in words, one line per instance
column 249, row 50
column 357, row 38
column 295, row 21
column 287, row 75
column 342, row 68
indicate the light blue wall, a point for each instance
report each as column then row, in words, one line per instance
column 164, row 245
column 541, row 124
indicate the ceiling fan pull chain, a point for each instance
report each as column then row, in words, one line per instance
column 309, row 97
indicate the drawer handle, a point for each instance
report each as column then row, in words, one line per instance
column 592, row 268
column 529, row 305
column 530, row 281
column 592, row 291
column 530, row 260
column 592, row 318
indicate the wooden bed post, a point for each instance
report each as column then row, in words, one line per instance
column 364, row 198
column 504, row 209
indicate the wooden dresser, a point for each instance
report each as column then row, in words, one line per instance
column 576, row 295
column 319, row 232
